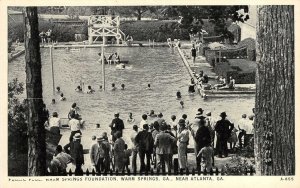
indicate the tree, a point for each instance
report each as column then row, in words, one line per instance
column 136, row 11
column 36, row 130
column 275, row 97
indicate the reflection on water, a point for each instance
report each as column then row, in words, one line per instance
column 160, row 67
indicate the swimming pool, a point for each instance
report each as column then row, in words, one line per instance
column 161, row 67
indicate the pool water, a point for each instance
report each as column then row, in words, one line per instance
column 161, row 67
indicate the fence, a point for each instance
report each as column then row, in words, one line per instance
column 194, row 172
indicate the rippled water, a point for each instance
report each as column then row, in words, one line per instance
column 161, row 67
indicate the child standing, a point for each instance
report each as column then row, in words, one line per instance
column 207, row 157
column 233, row 138
column 126, row 157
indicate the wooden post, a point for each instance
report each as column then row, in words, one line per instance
column 52, row 69
column 103, row 63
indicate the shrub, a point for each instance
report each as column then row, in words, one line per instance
column 17, row 131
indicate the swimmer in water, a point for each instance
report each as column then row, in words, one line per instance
column 178, row 95
column 130, row 118
column 113, row 87
column 90, row 90
column 78, row 89
column 62, row 98
column 149, row 86
column 53, row 101
column 181, row 103
column 100, row 88
column 122, row 86
column 58, row 89
column 152, row 114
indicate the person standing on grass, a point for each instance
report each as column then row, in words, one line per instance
column 154, row 133
column 201, row 137
column 119, row 151
column 117, row 124
column 164, row 142
column 193, row 53
column 223, row 129
column 145, row 144
column 134, row 147
column 243, row 128
column 76, row 152
column 183, row 139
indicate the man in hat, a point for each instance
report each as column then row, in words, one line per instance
column 202, row 138
column 117, row 124
column 76, row 152
column 99, row 151
column 163, row 142
column 145, row 144
column 183, row 140
column 160, row 119
column 119, row 151
column 211, row 127
column 223, row 128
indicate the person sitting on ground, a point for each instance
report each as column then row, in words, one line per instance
column 221, row 82
column 113, row 87
column 230, row 85
column 109, row 60
column 90, row 90
column 204, row 79
column 78, row 89
column 206, row 154
column 100, row 88
column 130, row 118
column 122, row 86
column 117, row 58
column 62, row 98
column 178, row 95
column 100, row 60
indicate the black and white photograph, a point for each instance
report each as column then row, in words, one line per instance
column 182, row 91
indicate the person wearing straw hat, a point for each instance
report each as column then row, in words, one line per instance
column 76, row 152
column 223, row 129
column 183, row 140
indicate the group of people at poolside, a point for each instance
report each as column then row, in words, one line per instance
column 155, row 140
